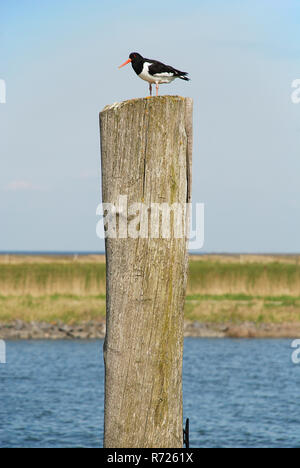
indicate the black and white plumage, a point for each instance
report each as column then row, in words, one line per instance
column 153, row 71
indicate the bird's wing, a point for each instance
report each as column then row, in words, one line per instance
column 160, row 69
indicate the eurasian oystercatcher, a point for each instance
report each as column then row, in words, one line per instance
column 153, row 71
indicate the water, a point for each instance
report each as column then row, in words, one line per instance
column 237, row 393
column 242, row 393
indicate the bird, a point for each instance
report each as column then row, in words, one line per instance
column 153, row 71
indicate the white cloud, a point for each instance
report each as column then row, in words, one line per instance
column 21, row 185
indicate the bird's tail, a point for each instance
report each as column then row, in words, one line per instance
column 183, row 77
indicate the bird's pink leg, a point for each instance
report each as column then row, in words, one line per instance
column 157, row 85
column 150, row 88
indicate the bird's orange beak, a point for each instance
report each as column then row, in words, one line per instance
column 125, row 63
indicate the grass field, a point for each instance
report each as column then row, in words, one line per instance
column 209, row 309
column 220, row 289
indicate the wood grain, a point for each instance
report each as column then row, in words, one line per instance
column 146, row 155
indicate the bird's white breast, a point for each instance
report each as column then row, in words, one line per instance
column 157, row 78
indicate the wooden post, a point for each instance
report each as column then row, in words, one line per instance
column 146, row 149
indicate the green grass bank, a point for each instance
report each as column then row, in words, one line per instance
column 260, row 289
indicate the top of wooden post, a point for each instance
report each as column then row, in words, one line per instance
column 146, row 100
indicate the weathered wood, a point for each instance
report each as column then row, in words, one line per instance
column 146, row 155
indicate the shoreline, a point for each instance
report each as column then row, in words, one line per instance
column 91, row 330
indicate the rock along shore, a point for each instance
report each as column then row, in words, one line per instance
column 19, row 330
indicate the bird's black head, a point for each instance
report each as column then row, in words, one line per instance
column 135, row 57
column 136, row 61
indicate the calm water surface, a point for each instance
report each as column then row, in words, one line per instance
column 237, row 393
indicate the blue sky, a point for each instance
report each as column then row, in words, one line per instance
column 59, row 60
